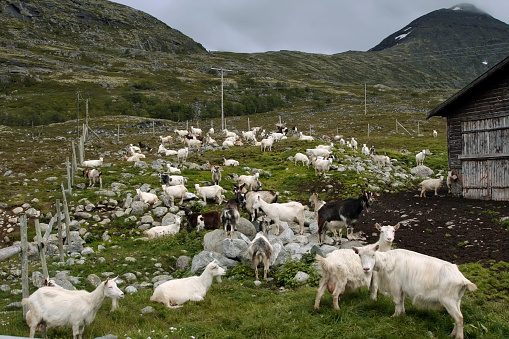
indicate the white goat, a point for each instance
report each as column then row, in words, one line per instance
column 382, row 160
column 160, row 231
column 430, row 185
column 249, row 135
column 313, row 199
column 277, row 136
column 260, row 250
column 193, row 143
column 230, row 134
column 216, row 175
column 182, row 132
column 210, row 141
column 450, row 178
column 146, row 197
column 305, row 137
column 387, row 234
column 230, row 162
column 166, row 140
column 319, row 152
column 175, row 192
column 435, row 133
column 365, row 150
column 322, row 166
column 341, row 270
column 176, row 292
column 289, row 211
column 93, row 163
column 302, row 158
column 353, row 143
column 210, row 192
column 228, row 143
column 93, row 176
column 133, row 158
column 196, row 131
column 419, row 158
column 252, row 182
column 173, row 170
column 266, row 143
column 182, row 154
column 428, row 281
column 56, row 307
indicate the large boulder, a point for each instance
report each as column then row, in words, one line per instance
column 421, row 171
column 202, row 259
column 247, row 228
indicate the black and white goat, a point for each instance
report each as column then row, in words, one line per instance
column 342, row 214
column 230, row 217
column 208, row 220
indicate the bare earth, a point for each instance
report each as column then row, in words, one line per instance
column 454, row 229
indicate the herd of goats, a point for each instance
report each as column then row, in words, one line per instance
column 428, row 281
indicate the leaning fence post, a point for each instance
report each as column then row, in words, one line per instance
column 68, row 165
column 74, row 163
column 40, row 247
column 24, row 259
column 59, row 228
column 67, row 218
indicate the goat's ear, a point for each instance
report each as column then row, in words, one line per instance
column 356, row 250
column 378, row 226
column 397, row 226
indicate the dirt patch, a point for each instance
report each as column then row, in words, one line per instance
column 453, row 229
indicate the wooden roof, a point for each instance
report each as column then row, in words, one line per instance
column 465, row 94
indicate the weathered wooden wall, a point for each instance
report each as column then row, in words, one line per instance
column 478, row 142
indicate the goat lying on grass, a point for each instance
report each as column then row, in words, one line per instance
column 175, row 293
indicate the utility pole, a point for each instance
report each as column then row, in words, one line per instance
column 222, row 109
column 365, row 101
column 78, row 114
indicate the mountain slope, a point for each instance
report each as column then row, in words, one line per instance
column 89, row 24
column 130, row 63
column 461, row 26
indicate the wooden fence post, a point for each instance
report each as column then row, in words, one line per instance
column 59, row 228
column 24, row 259
column 69, row 185
column 74, row 163
column 41, row 250
column 67, row 218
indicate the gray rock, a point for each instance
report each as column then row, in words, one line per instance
column 183, row 262
column 5, row 288
column 246, row 228
column 160, row 211
column 301, row 276
column 130, row 276
column 138, row 208
column 202, row 259
column 130, row 289
column 421, row 171
column 94, row 280
column 147, row 219
column 87, row 251
column 212, row 241
column 235, row 249
column 148, row 309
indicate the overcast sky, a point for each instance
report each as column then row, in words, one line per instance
column 318, row 26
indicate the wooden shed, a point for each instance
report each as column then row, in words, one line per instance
column 478, row 135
